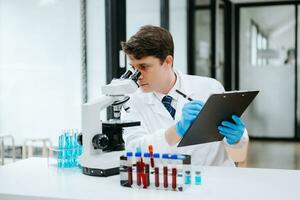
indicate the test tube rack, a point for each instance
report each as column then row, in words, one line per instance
column 168, row 177
column 67, row 151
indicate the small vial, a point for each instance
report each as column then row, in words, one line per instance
column 165, row 162
column 187, row 177
column 156, row 169
column 146, row 183
column 197, row 178
column 124, row 171
column 138, row 158
column 129, row 169
column 180, row 181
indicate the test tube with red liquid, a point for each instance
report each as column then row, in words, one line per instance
column 129, row 167
column 157, row 163
column 165, row 159
column 150, row 148
column 138, row 157
column 173, row 165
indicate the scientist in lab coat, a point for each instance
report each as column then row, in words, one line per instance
column 165, row 116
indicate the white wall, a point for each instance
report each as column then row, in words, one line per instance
column 96, row 49
column 140, row 13
column 178, row 29
column 40, row 67
column 143, row 12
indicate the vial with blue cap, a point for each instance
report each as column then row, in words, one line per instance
column 138, row 159
column 157, row 163
column 147, row 169
column 129, row 167
column 165, row 162
column 174, row 171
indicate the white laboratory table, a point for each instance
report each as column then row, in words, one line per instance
column 34, row 179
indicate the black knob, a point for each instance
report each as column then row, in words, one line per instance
column 79, row 139
column 100, row 141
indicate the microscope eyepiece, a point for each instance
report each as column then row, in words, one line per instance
column 127, row 74
column 135, row 76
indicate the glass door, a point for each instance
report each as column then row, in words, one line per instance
column 266, row 63
column 209, row 39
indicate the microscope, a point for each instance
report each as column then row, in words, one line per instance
column 102, row 142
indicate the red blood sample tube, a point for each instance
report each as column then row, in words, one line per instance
column 174, row 171
column 165, row 158
column 150, row 147
column 147, row 170
column 156, row 169
column 138, row 156
column 129, row 165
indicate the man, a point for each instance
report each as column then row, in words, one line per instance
column 165, row 116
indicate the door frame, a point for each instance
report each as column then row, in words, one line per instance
column 214, row 7
column 237, row 8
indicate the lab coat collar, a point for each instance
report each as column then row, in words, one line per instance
column 185, row 89
column 172, row 92
column 151, row 99
column 150, row 96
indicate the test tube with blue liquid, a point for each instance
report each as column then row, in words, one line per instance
column 60, row 153
column 68, row 149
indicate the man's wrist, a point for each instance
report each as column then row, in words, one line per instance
column 179, row 129
column 172, row 136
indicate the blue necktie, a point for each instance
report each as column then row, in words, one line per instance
column 167, row 103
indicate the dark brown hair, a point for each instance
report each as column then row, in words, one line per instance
column 150, row 41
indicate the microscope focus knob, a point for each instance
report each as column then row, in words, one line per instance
column 100, row 141
column 79, row 139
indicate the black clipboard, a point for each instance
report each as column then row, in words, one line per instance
column 218, row 107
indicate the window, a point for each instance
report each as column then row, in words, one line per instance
column 40, row 68
column 259, row 45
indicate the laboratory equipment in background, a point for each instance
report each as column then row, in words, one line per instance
column 4, row 138
column 31, row 145
column 165, row 174
column 102, row 142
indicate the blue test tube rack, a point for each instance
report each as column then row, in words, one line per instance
column 68, row 149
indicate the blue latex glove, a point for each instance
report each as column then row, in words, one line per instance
column 189, row 113
column 232, row 131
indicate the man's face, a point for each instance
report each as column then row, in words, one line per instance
column 153, row 72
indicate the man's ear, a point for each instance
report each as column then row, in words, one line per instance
column 169, row 60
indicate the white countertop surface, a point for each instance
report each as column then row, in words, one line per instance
column 34, row 179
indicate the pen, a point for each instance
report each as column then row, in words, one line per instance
column 184, row 95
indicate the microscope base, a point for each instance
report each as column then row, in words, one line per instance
column 100, row 172
column 103, row 165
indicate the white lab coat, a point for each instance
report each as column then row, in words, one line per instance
column 155, row 120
